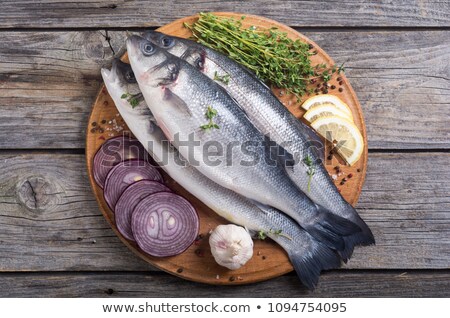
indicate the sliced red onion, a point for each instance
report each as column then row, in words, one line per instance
column 125, row 173
column 164, row 224
column 132, row 195
column 112, row 152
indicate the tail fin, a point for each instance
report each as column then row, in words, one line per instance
column 331, row 229
column 308, row 264
column 364, row 237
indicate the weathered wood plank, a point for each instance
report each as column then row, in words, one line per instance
column 49, row 220
column 123, row 13
column 159, row 285
column 48, row 81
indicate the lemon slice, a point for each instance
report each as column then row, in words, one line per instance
column 323, row 110
column 343, row 134
column 324, row 99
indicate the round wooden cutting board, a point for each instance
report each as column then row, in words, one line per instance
column 197, row 263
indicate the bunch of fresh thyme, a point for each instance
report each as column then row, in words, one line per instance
column 269, row 53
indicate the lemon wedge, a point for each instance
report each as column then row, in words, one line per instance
column 343, row 134
column 324, row 110
column 326, row 99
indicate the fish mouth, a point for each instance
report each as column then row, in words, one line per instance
column 105, row 74
column 133, row 43
column 110, row 75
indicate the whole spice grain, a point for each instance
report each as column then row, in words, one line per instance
column 341, row 89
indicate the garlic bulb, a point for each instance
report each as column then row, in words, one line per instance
column 231, row 246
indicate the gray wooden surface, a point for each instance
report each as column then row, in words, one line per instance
column 54, row 240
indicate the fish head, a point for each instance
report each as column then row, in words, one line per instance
column 121, row 84
column 153, row 66
column 174, row 45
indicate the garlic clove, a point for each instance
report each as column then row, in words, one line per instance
column 231, row 246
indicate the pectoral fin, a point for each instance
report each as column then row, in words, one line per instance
column 174, row 100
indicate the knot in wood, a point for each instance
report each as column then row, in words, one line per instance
column 37, row 194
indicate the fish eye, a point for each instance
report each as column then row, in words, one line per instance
column 129, row 76
column 200, row 63
column 167, row 42
column 148, row 49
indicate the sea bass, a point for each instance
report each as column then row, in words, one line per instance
column 271, row 118
column 197, row 114
column 307, row 255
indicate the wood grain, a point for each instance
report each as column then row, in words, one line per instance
column 346, row 284
column 48, row 81
column 49, row 220
column 138, row 13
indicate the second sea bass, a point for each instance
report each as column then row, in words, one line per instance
column 188, row 106
column 308, row 256
column 271, row 118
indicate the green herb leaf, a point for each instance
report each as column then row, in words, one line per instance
column 133, row 102
column 124, row 95
column 262, row 235
column 210, row 114
column 222, row 78
column 311, row 170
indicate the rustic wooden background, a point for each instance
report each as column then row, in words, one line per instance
column 54, row 242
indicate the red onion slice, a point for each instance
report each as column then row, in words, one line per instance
column 125, row 173
column 164, row 224
column 112, row 152
column 132, row 195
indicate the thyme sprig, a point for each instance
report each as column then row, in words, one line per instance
column 210, row 114
column 132, row 99
column 262, row 235
column 222, row 78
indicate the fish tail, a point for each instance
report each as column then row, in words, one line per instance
column 331, row 229
column 364, row 237
column 309, row 264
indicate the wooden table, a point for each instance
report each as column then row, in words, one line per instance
column 53, row 239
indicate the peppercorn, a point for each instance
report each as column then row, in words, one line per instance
column 313, row 80
column 329, row 157
column 333, row 86
column 105, row 103
column 232, row 279
column 103, row 121
column 318, row 85
column 358, row 170
column 325, row 91
column 180, row 270
column 310, row 46
column 350, row 175
column 341, row 89
column 345, row 180
column 93, row 130
column 94, row 124
column 342, row 183
column 339, row 79
column 199, row 253
column 341, row 82
column 263, row 257
column 100, row 130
